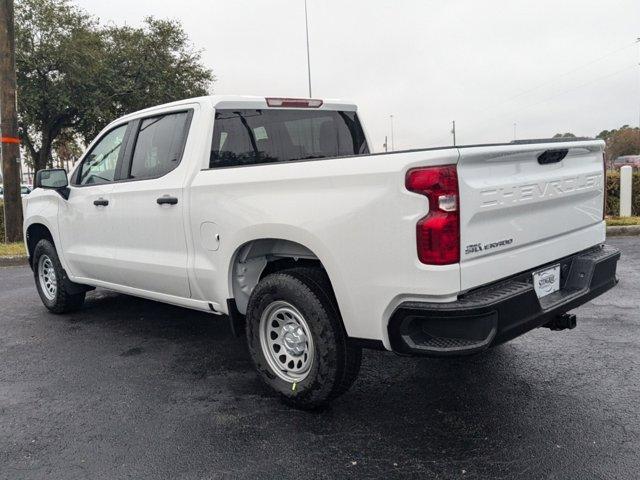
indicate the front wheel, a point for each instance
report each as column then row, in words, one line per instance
column 296, row 338
column 56, row 291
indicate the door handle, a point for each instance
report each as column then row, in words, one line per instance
column 167, row 200
column 101, row 202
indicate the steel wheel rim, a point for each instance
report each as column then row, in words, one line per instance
column 286, row 341
column 47, row 277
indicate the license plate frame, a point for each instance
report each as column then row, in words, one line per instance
column 546, row 280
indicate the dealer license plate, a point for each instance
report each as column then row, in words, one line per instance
column 547, row 281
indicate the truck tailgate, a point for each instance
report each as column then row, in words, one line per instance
column 526, row 205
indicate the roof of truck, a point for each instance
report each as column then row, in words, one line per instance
column 246, row 101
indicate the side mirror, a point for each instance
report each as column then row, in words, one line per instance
column 54, row 179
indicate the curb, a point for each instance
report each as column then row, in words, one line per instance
column 623, row 230
column 14, row 261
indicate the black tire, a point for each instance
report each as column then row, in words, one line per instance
column 68, row 295
column 336, row 361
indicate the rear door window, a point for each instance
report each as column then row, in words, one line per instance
column 159, row 145
column 249, row 137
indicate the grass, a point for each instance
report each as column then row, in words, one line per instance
column 622, row 221
column 12, row 249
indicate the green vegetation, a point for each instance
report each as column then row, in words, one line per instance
column 75, row 74
column 12, row 250
column 613, row 194
column 622, row 221
column 9, row 249
column 622, row 141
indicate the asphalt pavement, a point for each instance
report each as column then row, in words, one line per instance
column 129, row 388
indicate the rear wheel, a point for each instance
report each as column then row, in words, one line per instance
column 296, row 338
column 56, row 291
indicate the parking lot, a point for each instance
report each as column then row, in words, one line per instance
column 128, row 388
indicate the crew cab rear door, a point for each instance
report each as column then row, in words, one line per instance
column 148, row 206
column 522, row 206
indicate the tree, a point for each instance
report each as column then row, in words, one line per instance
column 623, row 141
column 564, row 135
column 152, row 65
column 60, row 64
column 75, row 75
column 66, row 149
column 605, row 134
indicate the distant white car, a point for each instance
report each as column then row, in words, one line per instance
column 24, row 191
column 631, row 160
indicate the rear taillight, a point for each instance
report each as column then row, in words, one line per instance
column 437, row 234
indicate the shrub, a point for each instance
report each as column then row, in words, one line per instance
column 613, row 194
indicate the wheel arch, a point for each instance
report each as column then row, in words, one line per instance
column 35, row 232
column 256, row 258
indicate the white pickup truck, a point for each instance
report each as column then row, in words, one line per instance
column 274, row 212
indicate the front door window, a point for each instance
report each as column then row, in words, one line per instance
column 99, row 166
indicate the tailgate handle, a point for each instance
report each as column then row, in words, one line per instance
column 552, row 156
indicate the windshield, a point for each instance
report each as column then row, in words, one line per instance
column 246, row 137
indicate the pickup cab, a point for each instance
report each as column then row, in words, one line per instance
column 274, row 213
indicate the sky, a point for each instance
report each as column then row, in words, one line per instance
column 545, row 66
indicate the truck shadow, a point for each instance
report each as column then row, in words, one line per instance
column 406, row 415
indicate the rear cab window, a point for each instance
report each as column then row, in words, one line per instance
column 250, row 137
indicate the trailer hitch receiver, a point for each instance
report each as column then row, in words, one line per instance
column 566, row 321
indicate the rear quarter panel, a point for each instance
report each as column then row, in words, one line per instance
column 353, row 213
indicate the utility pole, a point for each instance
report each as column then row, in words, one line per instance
column 384, row 145
column 306, row 24
column 515, row 125
column 638, row 42
column 393, row 147
column 9, row 141
column 453, row 132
